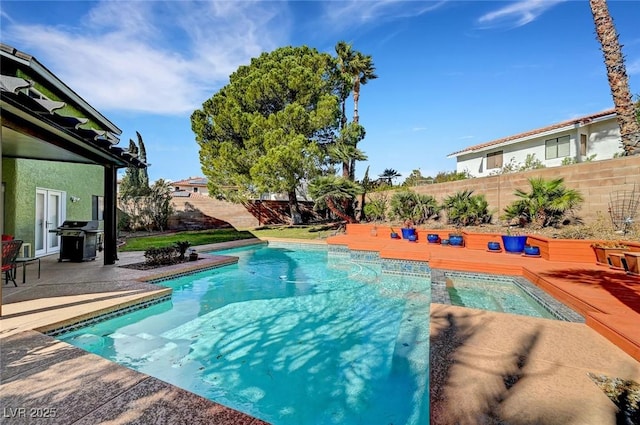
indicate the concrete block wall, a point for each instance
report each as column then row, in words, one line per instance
column 234, row 214
column 598, row 181
column 207, row 210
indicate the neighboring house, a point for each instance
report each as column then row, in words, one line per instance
column 59, row 157
column 592, row 137
column 192, row 185
column 184, row 188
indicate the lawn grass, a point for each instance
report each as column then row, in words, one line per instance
column 296, row 232
column 202, row 237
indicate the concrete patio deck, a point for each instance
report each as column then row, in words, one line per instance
column 485, row 367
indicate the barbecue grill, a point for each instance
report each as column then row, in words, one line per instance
column 79, row 240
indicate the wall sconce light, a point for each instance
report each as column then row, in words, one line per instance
column 74, row 199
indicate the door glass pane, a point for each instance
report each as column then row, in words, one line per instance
column 40, row 222
column 53, row 219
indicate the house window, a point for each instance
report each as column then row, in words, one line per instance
column 97, row 207
column 557, row 148
column 494, row 160
column 195, row 190
column 583, row 145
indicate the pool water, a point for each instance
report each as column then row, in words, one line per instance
column 291, row 336
column 501, row 295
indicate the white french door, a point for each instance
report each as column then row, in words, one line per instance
column 49, row 215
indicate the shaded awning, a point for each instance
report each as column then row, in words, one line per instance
column 13, row 84
column 49, row 105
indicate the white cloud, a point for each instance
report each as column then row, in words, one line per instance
column 633, row 67
column 517, row 14
column 154, row 57
column 360, row 12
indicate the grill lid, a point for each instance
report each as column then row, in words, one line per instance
column 79, row 225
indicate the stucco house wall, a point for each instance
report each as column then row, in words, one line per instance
column 23, row 176
column 192, row 185
column 601, row 132
column 604, row 139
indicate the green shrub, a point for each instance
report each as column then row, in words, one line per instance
column 466, row 209
column 408, row 205
column 181, row 247
column 376, row 209
column 160, row 256
column 548, row 203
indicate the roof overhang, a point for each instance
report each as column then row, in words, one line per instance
column 554, row 131
column 29, row 61
column 37, row 127
column 29, row 135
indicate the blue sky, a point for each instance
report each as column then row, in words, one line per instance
column 451, row 73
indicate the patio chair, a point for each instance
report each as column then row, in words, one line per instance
column 10, row 251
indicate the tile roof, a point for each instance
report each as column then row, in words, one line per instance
column 192, row 181
column 575, row 121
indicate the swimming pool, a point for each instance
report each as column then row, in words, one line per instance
column 291, row 336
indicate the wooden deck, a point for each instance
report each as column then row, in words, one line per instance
column 608, row 299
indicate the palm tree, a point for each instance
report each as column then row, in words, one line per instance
column 367, row 184
column 333, row 191
column 409, row 205
column 388, row 175
column 344, row 149
column 464, row 208
column 362, row 70
column 617, row 75
column 548, row 202
column 357, row 69
column 345, row 55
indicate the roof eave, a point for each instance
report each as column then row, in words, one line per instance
column 30, row 61
column 532, row 136
column 110, row 153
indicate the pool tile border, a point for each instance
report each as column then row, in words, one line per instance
column 388, row 265
column 161, row 278
column 371, row 257
column 106, row 316
column 293, row 245
column 406, row 267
